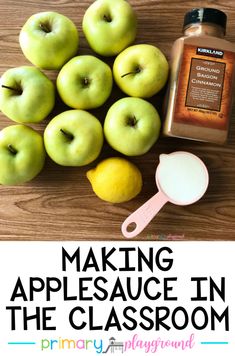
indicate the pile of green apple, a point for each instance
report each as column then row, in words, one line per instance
column 50, row 40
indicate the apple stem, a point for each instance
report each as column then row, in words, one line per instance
column 86, row 81
column 45, row 27
column 13, row 89
column 132, row 121
column 12, row 149
column 107, row 18
column 67, row 134
column 136, row 71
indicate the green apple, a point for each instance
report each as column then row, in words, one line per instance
column 141, row 70
column 73, row 138
column 109, row 26
column 22, row 154
column 49, row 39
column 26, row 94
column 132, row 126
column 85, row 82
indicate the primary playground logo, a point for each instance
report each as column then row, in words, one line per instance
column 116, row 346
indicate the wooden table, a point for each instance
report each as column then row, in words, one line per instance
column 59, row 204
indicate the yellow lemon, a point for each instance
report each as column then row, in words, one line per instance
column 115, row 180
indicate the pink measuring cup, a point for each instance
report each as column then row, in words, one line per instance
column 185, row 170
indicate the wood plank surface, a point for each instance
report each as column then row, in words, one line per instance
column 59, row 204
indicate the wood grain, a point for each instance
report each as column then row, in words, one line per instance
column 59, row 204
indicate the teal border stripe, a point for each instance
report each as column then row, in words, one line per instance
column 214, row 343
column 21, row 343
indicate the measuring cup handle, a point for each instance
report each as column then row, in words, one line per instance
column 142, row 216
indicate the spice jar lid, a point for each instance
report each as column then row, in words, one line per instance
column 208, row 15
